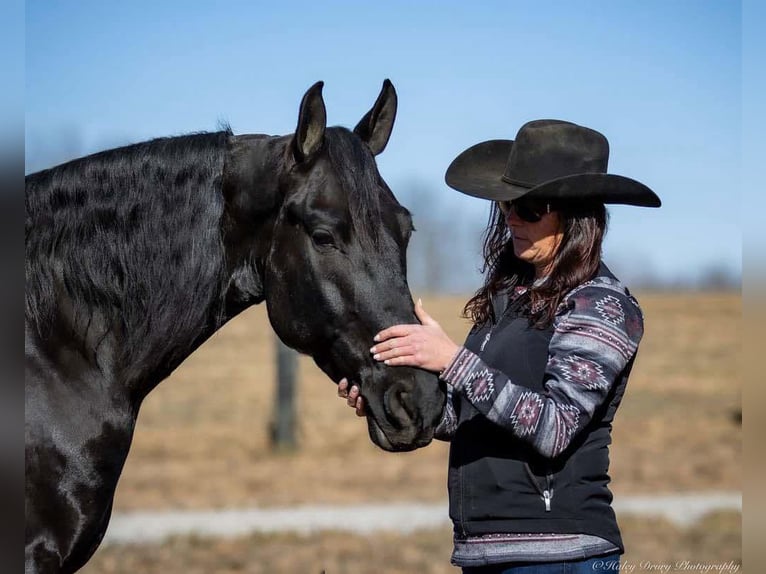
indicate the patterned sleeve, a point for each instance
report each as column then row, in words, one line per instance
column 595, row 336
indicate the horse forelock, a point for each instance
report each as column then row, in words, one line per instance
column 358, row 175
column 131, row 234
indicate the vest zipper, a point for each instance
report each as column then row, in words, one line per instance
column 548, row 492
column 545, row 494
column 547, row 500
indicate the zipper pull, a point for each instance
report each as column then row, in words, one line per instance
column 547, row 495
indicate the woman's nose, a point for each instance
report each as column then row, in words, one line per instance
column 511, row 219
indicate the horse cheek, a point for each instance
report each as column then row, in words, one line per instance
column 286, row 300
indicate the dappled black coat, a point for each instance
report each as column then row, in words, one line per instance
column 99, row 253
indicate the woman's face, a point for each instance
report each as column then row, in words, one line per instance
column 535, row 242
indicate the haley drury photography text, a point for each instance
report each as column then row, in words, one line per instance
column 729, row 567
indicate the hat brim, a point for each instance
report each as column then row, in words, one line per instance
column 478, row 172
column 596, row 187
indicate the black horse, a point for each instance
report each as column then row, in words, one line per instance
column 135, row 256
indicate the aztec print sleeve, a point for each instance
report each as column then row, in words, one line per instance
column 594, row 338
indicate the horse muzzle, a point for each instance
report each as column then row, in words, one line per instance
column 403, row 404
column 402, row 414
column 397, row 444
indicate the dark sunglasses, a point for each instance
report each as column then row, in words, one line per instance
column 525, row 210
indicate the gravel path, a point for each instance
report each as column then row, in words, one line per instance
column 683, row 509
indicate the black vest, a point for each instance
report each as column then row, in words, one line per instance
column 498, row 484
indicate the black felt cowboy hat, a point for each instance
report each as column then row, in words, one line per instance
column 549, row 160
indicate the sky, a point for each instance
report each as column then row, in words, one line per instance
column 661, row 79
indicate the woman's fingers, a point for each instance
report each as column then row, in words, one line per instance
column 397, row 351
column 360, row 412
column 422, row 316
column 404, row 361
column 355, row 400
column 353, row 395
column 425, row 346
column 395, row 331
column 389, row 345
column 393, row 353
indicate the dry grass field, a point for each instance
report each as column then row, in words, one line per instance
column 203, row 435
column 652, row 546
column 203, row 442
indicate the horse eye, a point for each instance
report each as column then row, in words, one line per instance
column 322, row 238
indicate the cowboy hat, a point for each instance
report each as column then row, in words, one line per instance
column 549, row 160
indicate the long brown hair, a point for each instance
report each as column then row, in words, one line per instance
column 576, row 260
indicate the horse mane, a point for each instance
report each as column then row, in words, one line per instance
column 128, row 239
column 359, row 177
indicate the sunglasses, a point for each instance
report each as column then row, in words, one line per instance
column 528, row 211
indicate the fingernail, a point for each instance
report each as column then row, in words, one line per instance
column 420, row 301
column 372, row 349
column 376, row 357
column 386, row 362
column 376, row 338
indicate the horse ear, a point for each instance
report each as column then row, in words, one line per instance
column 312, row 121
column 376, row 125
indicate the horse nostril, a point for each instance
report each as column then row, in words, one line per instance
column 396, row 405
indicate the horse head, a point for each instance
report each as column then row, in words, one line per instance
column 335, row 272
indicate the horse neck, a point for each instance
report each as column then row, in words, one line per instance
column 182, row 276
column 173, row 319
column 250, row 204
column 252, row 200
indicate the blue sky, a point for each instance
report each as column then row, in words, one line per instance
column 661, row 79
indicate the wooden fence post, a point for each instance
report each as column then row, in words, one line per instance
column 283, row 425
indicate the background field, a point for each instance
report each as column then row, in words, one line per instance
column 203, row 442
column 653, row 544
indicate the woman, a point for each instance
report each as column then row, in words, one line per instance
column 533, row 391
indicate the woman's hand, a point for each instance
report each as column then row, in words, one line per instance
column 425, row 346
column 352, row 397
